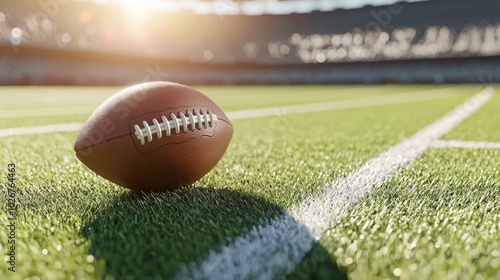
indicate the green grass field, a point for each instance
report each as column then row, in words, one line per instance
column 437, row 218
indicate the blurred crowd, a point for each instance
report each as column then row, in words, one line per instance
column 401, row 43
column 233, row 39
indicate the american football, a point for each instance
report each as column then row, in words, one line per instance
column 154, row 136
column 250, row 139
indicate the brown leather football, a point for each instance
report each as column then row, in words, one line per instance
column 155, row 136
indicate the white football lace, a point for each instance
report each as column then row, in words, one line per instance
column 200, row 119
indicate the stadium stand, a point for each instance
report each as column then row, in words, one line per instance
column 439, row 41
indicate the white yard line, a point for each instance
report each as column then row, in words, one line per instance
column 278, row 246
column 266, row 112
column 45, row 112
column 343, row 104
column 61, row 127
column 81, row 110
column 264, row 99
column 444, row 144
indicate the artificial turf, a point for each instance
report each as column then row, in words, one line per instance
column 25, row 101
column 484, row 125
column 437, row 219
column 73, row 223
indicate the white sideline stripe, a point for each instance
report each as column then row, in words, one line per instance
column 341, row 104
column 81, row 110
column 443, row 144
column 259, row 100
column 42, row 112
column 277, row 247
column 40, row 129
column 264, row 112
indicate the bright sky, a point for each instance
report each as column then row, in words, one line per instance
column 250, row 7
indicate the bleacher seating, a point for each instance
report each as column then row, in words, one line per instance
column 444, row 29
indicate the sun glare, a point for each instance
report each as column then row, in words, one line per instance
column 136, row 11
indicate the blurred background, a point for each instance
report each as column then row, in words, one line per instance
column 112, row 42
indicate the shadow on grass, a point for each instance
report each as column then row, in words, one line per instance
column 317, row 264
column 148, row 236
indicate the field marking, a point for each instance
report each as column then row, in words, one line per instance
column 444, row 144
column 266, row 112
column 61, row 127
column 262, row 99
column 377, row 100
column 279, row 245
column 81, row 110
column 43, row 112
column 266, row 99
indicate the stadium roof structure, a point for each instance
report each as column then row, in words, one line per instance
column 250, row 7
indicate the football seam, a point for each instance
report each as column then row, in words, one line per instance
column 100, row 143
column 130, row 133
column 199, row 120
